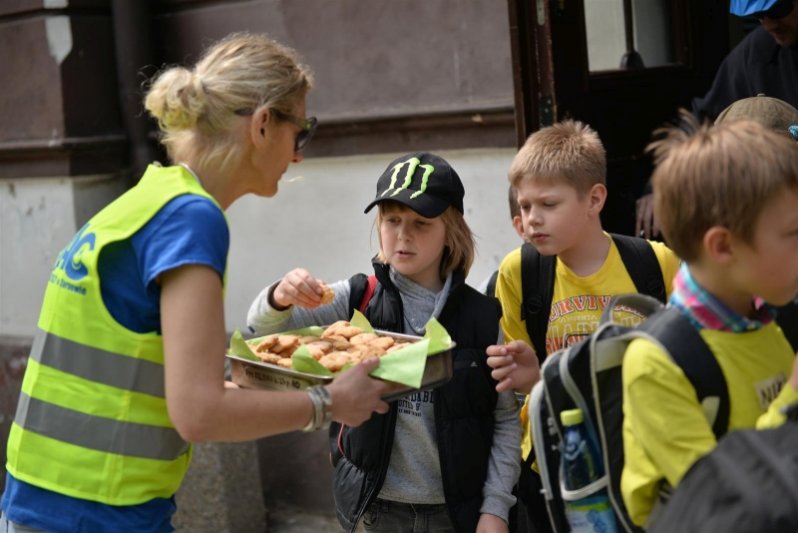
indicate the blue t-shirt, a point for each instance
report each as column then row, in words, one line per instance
column 189, row 230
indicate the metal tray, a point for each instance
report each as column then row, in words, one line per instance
column 260, row 375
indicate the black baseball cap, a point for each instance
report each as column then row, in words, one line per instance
column 423, row 182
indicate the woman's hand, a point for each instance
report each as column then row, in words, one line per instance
column 515, row 366
column 299, row 288
column 355, row 395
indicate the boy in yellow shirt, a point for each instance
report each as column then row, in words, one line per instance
column 560, row 180
column 726, row 199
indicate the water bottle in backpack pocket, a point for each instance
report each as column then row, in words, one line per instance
column 583, row 485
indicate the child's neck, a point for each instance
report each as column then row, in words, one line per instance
column 716, row 283
column 587, row 256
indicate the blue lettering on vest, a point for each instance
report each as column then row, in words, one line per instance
column 70, row 259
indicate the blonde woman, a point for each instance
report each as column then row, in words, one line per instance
column 127, row 366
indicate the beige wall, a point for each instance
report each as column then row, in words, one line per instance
column 316, row 221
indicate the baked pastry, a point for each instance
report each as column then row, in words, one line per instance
column 340, row 344
column 327, row 295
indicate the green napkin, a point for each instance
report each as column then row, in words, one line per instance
column 240, row 348
column 439, row 338
column 405, row 366
column 302, row 361
column 360, row 320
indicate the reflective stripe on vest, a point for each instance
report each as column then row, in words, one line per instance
column 98, row 365
column 102, row 434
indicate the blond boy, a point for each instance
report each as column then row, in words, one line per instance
column 726, row 198
column 560, row 179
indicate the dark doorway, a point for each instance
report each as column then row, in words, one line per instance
column 622, row 66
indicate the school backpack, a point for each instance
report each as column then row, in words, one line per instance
column 587, row 375
column 749, row 482
column 361, row 289
column 537, row 287
column 537, row 282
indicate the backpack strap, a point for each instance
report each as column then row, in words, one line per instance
column 641, row 262
column 490, row 288
column 691, row 353
column 371, row 286
column 361, row 289
column 537, row 288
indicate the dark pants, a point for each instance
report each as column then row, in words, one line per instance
column 394, row 517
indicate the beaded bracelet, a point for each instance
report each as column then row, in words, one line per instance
column 322, row 408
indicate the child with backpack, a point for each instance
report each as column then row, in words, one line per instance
column 446, row 457
column 554, row 288
column 725, row 197
column 573, row 266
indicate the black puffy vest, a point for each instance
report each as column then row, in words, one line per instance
column 464, row 409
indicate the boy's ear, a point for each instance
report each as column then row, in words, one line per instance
column 718, row 244
column 596, row 197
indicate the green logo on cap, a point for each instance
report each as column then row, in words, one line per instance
column 412, row 164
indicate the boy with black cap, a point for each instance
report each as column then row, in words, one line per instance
column 447, row 457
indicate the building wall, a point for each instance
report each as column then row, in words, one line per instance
column 381, row 90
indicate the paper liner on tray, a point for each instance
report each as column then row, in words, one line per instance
column 405, row 366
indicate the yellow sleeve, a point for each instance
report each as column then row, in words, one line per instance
column 669, row 263
column 773, row 417
column 510, row 294
column 664, row 429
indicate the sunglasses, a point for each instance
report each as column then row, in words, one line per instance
column 307, row 126
column 780, row 9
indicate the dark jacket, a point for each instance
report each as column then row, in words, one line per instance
column 758, row 65
column 464, row 410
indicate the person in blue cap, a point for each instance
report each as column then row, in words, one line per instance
column 765, row 61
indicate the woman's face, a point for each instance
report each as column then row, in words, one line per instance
column 273, row 153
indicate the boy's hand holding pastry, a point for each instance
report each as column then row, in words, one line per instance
column 299, row 287
column 515, row 366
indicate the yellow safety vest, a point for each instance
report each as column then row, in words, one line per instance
column 92, row 421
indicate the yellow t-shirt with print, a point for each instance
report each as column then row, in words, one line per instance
column 577, row 302
column 664, row 428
